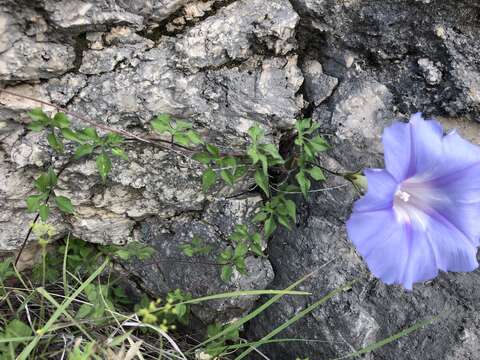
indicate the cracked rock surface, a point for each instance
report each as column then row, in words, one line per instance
column 353, row 66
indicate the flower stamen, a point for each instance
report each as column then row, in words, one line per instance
column 405, row 196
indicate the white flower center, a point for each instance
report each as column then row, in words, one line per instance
column 405, row 196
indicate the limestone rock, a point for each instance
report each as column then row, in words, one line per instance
column 318, row 85
column 201, row 275
column 29, row 60
column 235, row 32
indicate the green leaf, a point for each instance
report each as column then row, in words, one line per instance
column 36, row 126
column 89, row 134
column 309, row 151
column 37, row 114
column 208, row 179
column 303, row 124
column 283, row 220
column 181, row 139
column 225, row 255
column 260, row 216
column 64, row 204
column 69, row 134
column 291, row 209
column 240, row 250
column 104, row 165
column 194, row 137
column 240, row 265
column 269, row 227
column 113, row 139
column 226, row 275
column 84, row 311
column 161, row 124
column 181, row 125
column 303, row 182
column 318, row 143
column 33, row 203
column 264, row 161
column 316, row 173
column 272, row 150
column 255, row 133
column 51, row 177
column 212, row 149
column 61, row 120
column 253, row 153
column 42, row 183
column 17, row 328
column 118, row 152
column 181, row 310
column 187, row 250
column 228, row 177
column 44, row 211
column 123, row 254
column 262, row 181
column 54, row 142
column 84, row 150
column 213, row 329
column 240, row 171
column 202, row 157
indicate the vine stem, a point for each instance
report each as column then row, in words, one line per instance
column 35, row 220
column 311, row 191
column 124, row 133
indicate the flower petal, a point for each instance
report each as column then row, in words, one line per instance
column 458, row 157
column 437, row 245
column 381, row 240
column 409, row 252
column 381, row 189
column 456, row 197
column 412, row 148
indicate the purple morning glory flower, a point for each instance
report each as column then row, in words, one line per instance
column 422, row 213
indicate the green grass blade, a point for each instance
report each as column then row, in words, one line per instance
column 244, row 293
column 49, row 297
column 64, row 266
column 294, row 319
column 253, row 314
column 65, row 304
column 417, row 326
column 258, row 343
column 15, row 339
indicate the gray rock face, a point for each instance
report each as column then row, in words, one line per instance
column 353, row 66
column 387, row 38
column 318, row 85
column 218, row 39
column 201, row 275
column 370, row 311
column 247, row 72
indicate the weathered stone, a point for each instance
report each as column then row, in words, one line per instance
column 90, row 15
column 101, row 226
column 463, row 49
column 102, row 61
column 379, row 33
column 170, row 268
column 371, row 310
column 318, row 85
column 357, row 113
column 431, row 73
column 62, row 90
column 224, row 66
column 236, row 31
column 29, row 60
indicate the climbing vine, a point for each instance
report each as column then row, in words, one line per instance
column 277, row 178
